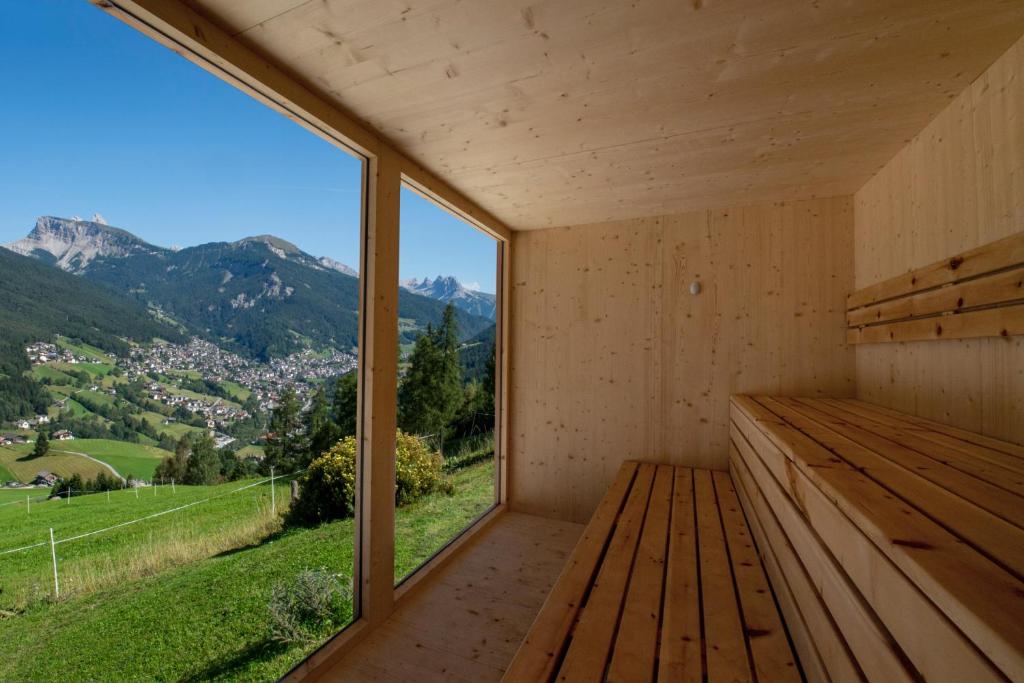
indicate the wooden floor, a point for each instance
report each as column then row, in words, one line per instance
column 467, row 619
column 895, row 544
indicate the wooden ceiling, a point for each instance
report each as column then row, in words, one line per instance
column 554, row 112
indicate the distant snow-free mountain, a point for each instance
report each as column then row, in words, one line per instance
column 261, row 296
column 449, row 289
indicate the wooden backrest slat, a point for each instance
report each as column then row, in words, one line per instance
column 636, row 645
column 537, row 657
column 1006, row 321
column 1000, row 288
column 588, row 653
column 979, row 293
column 1004, row 253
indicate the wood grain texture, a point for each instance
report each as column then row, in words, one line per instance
column 594, row 110
column 613, row 358
column 917, row 545
column 680, row 593
column 957, row 185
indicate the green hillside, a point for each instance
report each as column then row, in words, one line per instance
column 40, row 302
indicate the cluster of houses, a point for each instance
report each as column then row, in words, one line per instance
column 14, row 439
column 217, row 413
column 34, row 423
column 44, row 352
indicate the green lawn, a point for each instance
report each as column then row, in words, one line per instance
column 6, row 474
column 250, row 451
column 83, row 349
column 175, row 429
column 16, row 460
column 240, row 393
column 127, row 458
column 51, row 373
column 203, row 620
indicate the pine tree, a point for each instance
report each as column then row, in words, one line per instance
column 42, row 446
column 431, row 393
column 286, row 447
column 345, row 408
column 320, row 428
column 203, row 466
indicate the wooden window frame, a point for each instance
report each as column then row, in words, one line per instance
column 179, row 28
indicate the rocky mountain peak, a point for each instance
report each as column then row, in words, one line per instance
column 72, row 243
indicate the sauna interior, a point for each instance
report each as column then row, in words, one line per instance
column 761, row 306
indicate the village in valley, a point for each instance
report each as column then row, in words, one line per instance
column 169, row 390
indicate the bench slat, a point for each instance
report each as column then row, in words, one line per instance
column 725, row 645
column 587, row 656
column 835, row 655
column 636, row 645
column 895, row 470
column 933, row 643
column 930, row 426
column 982, row 599
column 1000, row 488
column 773, row 659
column 1013, row 463
column 680, row 655
column 537, row 656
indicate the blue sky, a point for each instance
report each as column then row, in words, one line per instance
column 98, row 118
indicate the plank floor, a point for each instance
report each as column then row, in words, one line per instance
column 900, row 541
column 467, row 619
column 664, row 585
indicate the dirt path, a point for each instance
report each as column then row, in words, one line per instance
column 89, row 457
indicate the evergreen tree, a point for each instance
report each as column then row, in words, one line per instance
column 42, row 446
column 345, row 406
column 431, row 393
column 172, row 468
column 203, row 465
column 320, row 428
column 286, row 447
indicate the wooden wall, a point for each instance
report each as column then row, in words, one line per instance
column 614, row 359
column 957, row 185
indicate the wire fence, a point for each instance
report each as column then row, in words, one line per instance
column 53, row 541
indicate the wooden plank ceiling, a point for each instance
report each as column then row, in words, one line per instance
column 552, row 112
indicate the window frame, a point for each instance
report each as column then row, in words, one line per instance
column 193, row 36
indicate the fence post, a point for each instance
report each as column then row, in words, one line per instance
column 108, row 495
column 273, row 494
column 136, row 492
column 53, row 554
column 69, row 495
column 172, row 486
column 28, row 503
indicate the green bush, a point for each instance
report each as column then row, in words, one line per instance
column 327, row 489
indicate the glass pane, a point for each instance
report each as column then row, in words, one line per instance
column 166, row 383
column 445, row 456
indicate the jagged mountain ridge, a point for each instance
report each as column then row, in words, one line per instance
column 449, row 289
column 260, row 296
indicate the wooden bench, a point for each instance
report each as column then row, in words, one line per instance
column 665, row 584
column 895, row 545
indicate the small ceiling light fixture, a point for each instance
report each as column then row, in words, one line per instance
column 695, row 287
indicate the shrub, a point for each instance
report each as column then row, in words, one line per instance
column 303, row 608
column 328, row 486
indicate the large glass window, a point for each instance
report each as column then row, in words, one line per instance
column 179, row 337
column 445, row 455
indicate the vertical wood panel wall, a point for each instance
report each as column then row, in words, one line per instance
column 614, row 359
column 957, row 185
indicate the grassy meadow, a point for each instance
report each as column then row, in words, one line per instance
column 183, row 596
